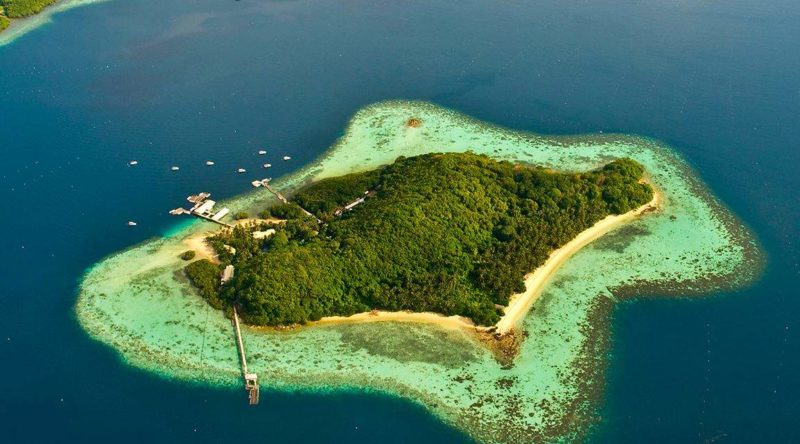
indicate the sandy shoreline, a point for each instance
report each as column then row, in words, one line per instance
column 197, row 241
column 519, row 304
column 201, row 248
column 454, row 321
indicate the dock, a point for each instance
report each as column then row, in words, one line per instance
column 282, row 198
column 250, row 379
column 204, row 209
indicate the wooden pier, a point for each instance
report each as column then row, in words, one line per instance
column 218, row 222
column 282, row 198
column 250, row 379
column 204, row 209
column 277, row 193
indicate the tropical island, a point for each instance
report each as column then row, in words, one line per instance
column 452, row 233
column 140, row 302
column 14, row 9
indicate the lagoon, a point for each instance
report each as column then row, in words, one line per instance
column 185, row 81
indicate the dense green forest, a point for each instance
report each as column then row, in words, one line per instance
column 23, row 8
column 448, row 233
column 328, row 195
column 205, row 276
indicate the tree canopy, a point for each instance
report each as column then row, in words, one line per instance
column 23, row 8
column 448, row 233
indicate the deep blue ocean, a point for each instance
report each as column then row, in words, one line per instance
column 183, row 81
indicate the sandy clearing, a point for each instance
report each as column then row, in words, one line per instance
column 202, row 249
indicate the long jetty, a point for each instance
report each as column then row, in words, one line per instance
column 283, row 199
column 250, row 379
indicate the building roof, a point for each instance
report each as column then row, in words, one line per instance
column 205, row 207
column 227, row 274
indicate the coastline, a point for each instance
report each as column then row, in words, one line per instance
column 18, row 27
column 197, row 241
column 148, row 316
column 520, row 303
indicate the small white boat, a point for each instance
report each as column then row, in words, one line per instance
column 286, row 157
column 174, row 168
column 133, row 163
column 241, row 170
column 131, row 223
column 262, row 152
column 267, row 165
column 256, row 183
column 209, row 162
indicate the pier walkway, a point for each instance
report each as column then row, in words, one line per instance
column 250, row 379
column 216, row 221
column 203, row 208
column 283, row 199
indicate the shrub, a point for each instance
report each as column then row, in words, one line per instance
column 449, row 233
column 24, row 8
column 205, row 276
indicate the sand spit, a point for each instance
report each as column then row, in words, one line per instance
column 519, row 304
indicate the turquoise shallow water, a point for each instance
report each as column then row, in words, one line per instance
column 138, row 302
column 185, row 81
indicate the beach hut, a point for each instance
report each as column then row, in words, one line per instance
column 227, row 274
